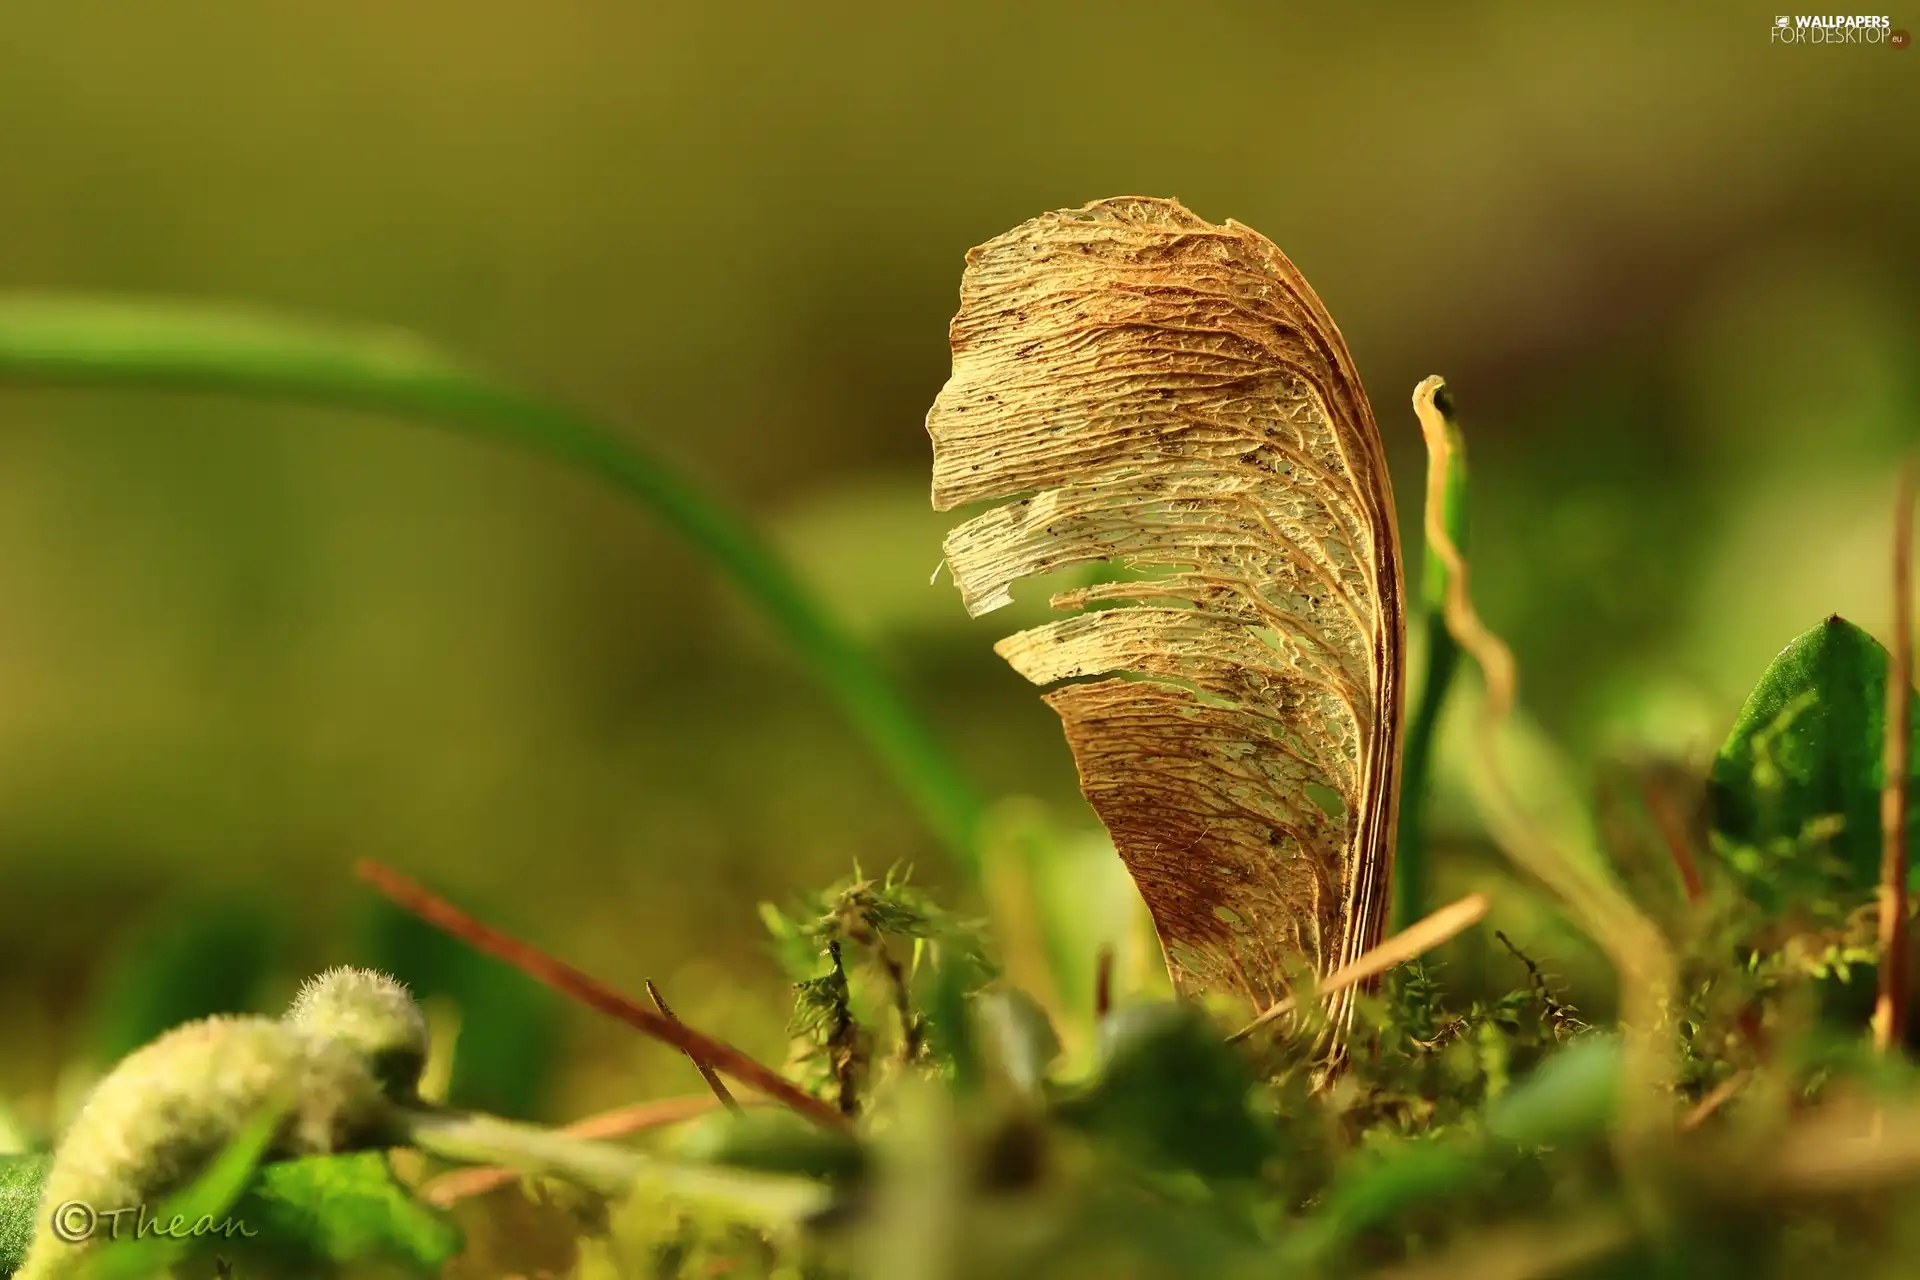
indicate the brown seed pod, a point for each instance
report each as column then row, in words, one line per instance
column 1137, row 387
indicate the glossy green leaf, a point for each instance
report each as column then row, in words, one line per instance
column 311, row 1217
column 1796, row 787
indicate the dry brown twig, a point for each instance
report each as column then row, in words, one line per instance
column 570, row 981
column 1890, row 1005
column 1417, row 938
column 1103, row 983
column 707, row 1073
column 1660, row 808
column 1718, row 1097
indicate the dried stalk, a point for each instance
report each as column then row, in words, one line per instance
column 1890, row 1005
column 1418, row 938
column 707, row 1073
column 564, row 978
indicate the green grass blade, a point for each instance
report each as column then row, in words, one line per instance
column 197, row 1214
column 475, row 1138
column 84, row 342
column 1410, row 887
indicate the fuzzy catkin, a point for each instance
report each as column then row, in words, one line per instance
column 372, row 1014
column 161, row 1117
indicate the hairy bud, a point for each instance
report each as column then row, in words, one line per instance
column 160, row 1118
column 372, row 1014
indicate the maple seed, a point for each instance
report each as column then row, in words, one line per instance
column 374, row 1015
column 1115, row 369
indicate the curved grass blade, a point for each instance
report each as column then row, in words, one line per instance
column 201, row 1210
column 86, row 342
column 1890, row 1005
column 1447, row 487
column 471, row 1137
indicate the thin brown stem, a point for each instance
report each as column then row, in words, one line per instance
column 1890, row 1007
column 1416, row 939
column 1720, row 1095
column 912, row 1039
column 844, row 1049
column 707, row 1073
column 1103, row 984
column 569, row 981
column 1671, row 830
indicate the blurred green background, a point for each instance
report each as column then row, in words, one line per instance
column 1668, row 268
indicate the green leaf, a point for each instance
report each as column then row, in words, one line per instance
column 1568, row 1098
column 951, row 1034
column 313, row 1216
column 1375, row 1188
column 1796, row 788
column 1173, row 1093
column 21, row 1177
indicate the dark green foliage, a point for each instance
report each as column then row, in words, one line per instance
column 1171, row 1094
column 985, row 1149
column 1569, row 1098
column 1796, row 787
column 193, row 958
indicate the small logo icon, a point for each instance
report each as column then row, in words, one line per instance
column 1899, row 39
column 1782, row 20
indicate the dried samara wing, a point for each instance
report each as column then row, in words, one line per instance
column 1135, row 386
